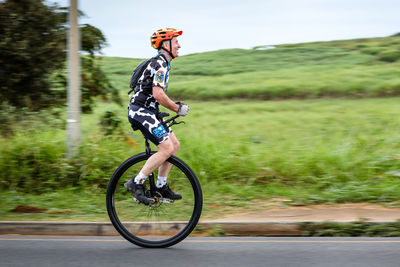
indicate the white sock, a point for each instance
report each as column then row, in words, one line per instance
column 140, row 178
column 161, row 181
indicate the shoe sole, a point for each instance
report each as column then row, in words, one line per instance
column 150, row 201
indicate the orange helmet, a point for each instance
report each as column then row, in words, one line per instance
column 163, row 34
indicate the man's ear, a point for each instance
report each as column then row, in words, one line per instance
column 165, row 45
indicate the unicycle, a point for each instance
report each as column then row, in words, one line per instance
column 164, row 222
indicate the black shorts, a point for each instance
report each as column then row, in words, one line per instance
column 146, row 121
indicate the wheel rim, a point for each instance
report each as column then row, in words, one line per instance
column 161, row 223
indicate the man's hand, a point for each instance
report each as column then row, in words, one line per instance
column 183, row 110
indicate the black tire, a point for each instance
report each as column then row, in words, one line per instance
column 160, row 224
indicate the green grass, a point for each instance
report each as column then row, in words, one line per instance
column 69, row 204
column 361, row 228
column 332, row 150
column 301, row 151
column 348, row 68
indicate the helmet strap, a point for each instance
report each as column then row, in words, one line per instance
column 170, row 48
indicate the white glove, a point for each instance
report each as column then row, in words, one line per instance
column 183, row 110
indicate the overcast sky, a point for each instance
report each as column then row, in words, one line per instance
column 216, row 24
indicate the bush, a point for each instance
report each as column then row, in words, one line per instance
column 6, row 119
column 389, row 55
column 36, row 163
column 32, row 165
column 361, row 228
column 13, row 120
column 371, row 50
column 110, row 122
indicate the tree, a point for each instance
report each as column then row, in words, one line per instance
column 32, row 38
column 33, row 54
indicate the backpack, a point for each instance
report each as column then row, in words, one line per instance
column 137, row 73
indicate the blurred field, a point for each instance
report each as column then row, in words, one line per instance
column 301, row 152
column 319, row 139
column 349, row 68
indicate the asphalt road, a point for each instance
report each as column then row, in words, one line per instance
column 226, row 251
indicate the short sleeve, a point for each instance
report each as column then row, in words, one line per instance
column 160, row 74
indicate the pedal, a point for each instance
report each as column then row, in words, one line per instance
column 152, row 201
column 166, row 200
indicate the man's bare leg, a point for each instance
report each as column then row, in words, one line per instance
column 165, row 150
column 157, row 160
column 166, row 166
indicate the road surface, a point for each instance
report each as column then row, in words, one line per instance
column 199, row 251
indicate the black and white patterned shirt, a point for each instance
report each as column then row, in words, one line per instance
column 156, row 74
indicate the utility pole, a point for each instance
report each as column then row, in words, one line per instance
column 74, row 83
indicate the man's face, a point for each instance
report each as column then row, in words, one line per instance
column 175, row 47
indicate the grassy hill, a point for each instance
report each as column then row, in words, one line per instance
column 352, row 68
column 297, row 151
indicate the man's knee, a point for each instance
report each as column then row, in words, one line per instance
column 175, row 141
column 176, row 146
column 167, row 147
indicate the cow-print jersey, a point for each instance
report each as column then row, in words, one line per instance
column 155, row 74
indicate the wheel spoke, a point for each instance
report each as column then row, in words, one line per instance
column 162, row 223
